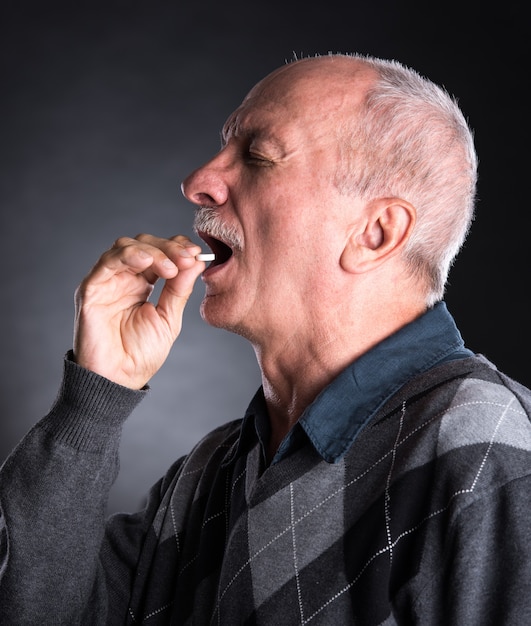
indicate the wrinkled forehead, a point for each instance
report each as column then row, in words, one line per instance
column 312, row 93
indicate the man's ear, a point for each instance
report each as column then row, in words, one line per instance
column 384, row 232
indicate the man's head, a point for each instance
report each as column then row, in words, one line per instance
column 411, row 141
column 332, row 168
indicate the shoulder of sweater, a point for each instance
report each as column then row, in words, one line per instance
column 449, row 376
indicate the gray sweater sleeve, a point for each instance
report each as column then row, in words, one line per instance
column 53, row 495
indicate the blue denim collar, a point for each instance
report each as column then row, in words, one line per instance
column 338, row 414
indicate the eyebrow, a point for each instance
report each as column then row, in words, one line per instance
column 233, row 128
column 230, row 128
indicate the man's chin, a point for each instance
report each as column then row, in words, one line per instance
column 219, row 315
column 214, row 312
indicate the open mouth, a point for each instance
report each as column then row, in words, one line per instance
column 221, row 249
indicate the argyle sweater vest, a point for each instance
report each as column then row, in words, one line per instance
column 387, row 535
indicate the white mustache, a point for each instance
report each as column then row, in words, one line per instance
column 207, row 221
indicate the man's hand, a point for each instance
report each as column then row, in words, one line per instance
column 118, row 333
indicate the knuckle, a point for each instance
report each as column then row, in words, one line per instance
column 81, row 291
column 122, row 242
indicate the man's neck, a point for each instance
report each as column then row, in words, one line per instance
column 296, row 369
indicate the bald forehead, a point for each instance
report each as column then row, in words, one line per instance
column 312, row 90
column 333, row 73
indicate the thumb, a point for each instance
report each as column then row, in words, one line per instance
column 175, row 295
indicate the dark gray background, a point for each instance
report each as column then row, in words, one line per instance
column 106, row 107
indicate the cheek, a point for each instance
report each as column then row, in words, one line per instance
column 282, row 215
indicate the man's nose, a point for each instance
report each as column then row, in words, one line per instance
column 207, row 185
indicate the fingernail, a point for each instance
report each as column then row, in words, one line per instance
column 185, row 253
column 169, row 264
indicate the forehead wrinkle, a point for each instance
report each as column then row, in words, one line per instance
column 296, row 98
column 243, row 125
column 309, row 83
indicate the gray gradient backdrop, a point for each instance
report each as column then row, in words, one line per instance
column 105, row 108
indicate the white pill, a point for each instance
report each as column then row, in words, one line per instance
column 206, row 256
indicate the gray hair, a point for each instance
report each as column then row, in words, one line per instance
column 412, row 141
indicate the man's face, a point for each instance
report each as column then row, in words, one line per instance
column 272, row 185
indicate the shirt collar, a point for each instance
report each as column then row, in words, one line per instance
column 335, row 418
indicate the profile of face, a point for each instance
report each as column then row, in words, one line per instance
column 267, row 204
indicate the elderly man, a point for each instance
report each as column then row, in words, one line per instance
column 381, row 474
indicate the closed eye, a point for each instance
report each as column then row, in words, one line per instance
column 257, row 159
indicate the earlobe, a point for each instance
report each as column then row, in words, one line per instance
column 383, row 235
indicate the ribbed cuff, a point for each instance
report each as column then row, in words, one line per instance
column 90, row 410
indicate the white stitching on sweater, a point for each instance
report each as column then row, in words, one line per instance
column 174, row 525
column 458, row 406
column 491, row 443
column 341, row 489
column 212, row 517
column 428, row 517
column 294, row 544
column 153, row 613
column 387, row 496
column 194, row 558
column 190, row 562
column 237, row 479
